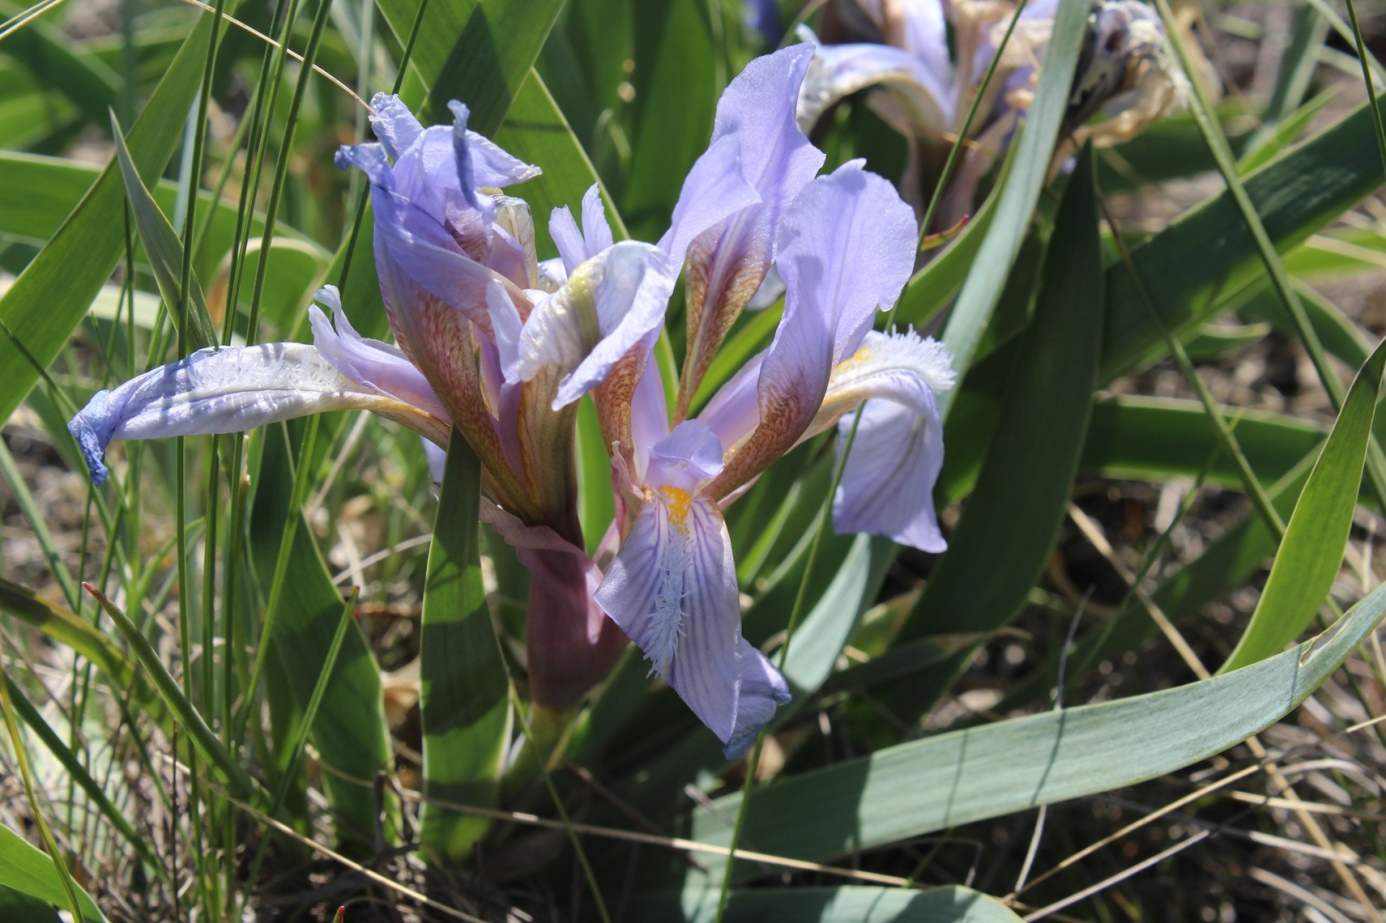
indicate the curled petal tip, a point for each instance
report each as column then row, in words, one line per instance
column 91, row 428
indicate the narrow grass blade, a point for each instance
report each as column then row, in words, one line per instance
column 349, row 732
column 1312, row 550
column 237, row 779
column 67, row 628
column 1207, row 255
column 51, row 296
column 963, row 776
column 464, row 686
column 30, row 872
column 1021, row 191
column 138, row 843
column 73, row 902
column 165, row 253
column 63, row 65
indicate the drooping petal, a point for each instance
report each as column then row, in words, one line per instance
column 612, row 305
column 227, row 391
column 846, row 249
column 763, row 690
column 376, row 365
column 672, row 589
column 918, row 97
column 888, row 483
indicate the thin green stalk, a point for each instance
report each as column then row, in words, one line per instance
column 78, row 774
column 1367, row 80
column 263, row 104
column 281, row 168
column 1217, row 146
column 281, row 790
column 281, row 571
column 955, row 151
column 1226, row 441
column 240, row 782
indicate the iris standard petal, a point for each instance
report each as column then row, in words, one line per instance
column 613, row 304
column 672, row 589
column 887, row 486
column 714, row 188
column 727, row 263
column 227, row 391
column 572, row 250
column 846, row 249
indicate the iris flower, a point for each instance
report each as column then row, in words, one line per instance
column 924, row 91
column 502, row 347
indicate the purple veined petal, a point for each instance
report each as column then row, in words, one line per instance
column 494, row 168
column 461, row 149
column 506, row 325
column 734, row 410
column 727, row 263
column 672, row 589
column 763, row 690
column 423, row 254
column 227, row 391
column 612, row 304
column 926, row 36
column 887, row 486
column 714, row 188
column 376, row 365
column 394, row 124
column 771, row 154
column 846, row 249
column 921, row 96
column 905, row 368
column 690, row 454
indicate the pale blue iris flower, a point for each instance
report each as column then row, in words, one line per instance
column 500, row 346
